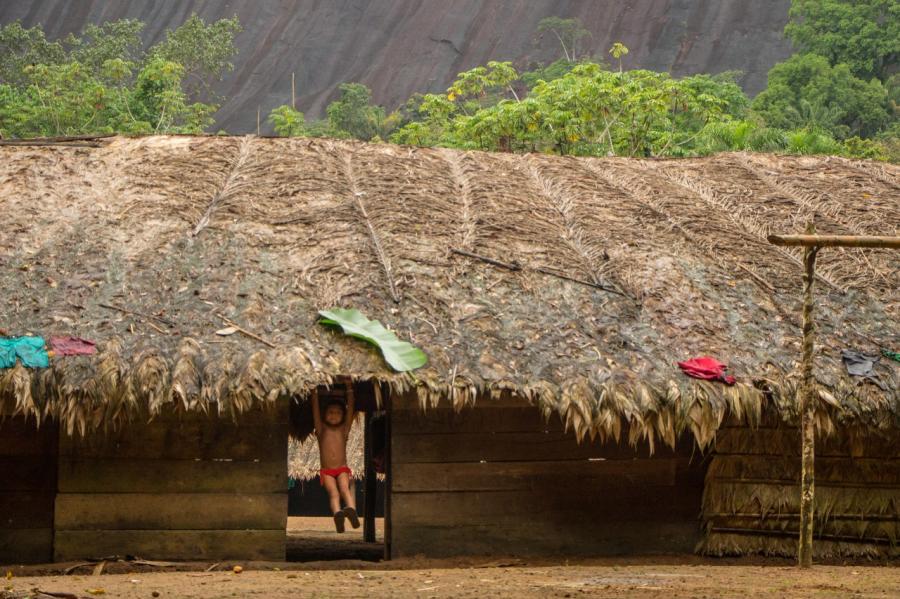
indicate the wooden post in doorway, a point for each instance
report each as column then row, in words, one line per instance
column 388, row 478
column 811, row 244
column 371, row 482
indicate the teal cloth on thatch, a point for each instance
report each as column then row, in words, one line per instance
column 31, row 350
column 893, row 355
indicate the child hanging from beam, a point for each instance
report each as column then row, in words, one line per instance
column 332, row 432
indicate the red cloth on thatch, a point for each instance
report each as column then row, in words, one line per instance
column 706, row 368
column 333, row 473
column 72, row 346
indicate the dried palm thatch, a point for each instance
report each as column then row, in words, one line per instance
column 751, row 497
column 180, row 235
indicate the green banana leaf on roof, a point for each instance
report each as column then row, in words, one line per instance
column 401, row 355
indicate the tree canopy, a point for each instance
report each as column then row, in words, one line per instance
column 805, row 91
column 587, row 111
column 567, row 32
column 840, row 93
column 103, row 80
column 353, row 113
column 863, row 34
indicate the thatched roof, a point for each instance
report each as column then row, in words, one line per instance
column 266, row 231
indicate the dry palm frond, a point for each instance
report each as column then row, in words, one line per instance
column 232, row 185
column 358, row 195
column 468, row 236
column 886, row 173
column 739, row 215
column 582, row 243
column 751, row 500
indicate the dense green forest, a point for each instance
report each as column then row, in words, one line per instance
column 838, row 94
column 103, row 81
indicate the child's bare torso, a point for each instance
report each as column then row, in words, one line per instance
column 332, row 446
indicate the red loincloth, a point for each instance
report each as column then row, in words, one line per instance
column 333, row 473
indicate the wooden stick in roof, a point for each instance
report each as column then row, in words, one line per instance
column 812, row 244
column 849, row 241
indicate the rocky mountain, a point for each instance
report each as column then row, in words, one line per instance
column 398, row 47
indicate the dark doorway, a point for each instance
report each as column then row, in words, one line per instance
column 311, row 535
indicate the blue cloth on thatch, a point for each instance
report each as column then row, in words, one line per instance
column 31, row 350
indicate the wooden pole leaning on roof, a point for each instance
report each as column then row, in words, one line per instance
column 811, row 244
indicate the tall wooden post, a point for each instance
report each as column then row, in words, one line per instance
column 388, row 481
column 371, row 481
column 811, row 244
column 807, row 412
column 293, row 93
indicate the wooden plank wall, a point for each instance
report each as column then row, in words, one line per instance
column 27, row 489
column 499, row 480
column 181, row 487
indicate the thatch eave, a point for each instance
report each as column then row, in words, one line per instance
column 601, row 407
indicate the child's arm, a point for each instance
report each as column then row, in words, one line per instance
column 351, row 411
column 317, row 416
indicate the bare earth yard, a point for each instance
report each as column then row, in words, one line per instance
column 591, row 580
column 663, row 576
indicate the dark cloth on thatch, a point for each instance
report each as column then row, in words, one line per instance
column 151, row 245
column 72, row 346
column 861, row 365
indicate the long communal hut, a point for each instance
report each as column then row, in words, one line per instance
column 553, row 297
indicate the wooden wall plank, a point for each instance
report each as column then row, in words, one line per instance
column 20, row 437
column 537, row 537
column 182, row 440
column 505, row 508
column 534, row 476
column 26, row 546
column 172, row 476
column 26, row 509
column 478, row 420
column 256, row 415
column 181, row 511
column 179, row 487
column 172, row 544
column 786, row 441
column 28, row 473
column 503, row 447
column 495, row 480
column 848, row 470
column 28, row 455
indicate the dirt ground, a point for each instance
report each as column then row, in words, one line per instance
column 348, row 567
column 592, row 580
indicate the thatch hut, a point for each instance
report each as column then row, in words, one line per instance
column 552, row 295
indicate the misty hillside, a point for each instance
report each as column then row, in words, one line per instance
column 398, row 47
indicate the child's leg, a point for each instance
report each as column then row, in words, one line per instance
column 334, row 500
column 344, row 484
column 334, row 495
